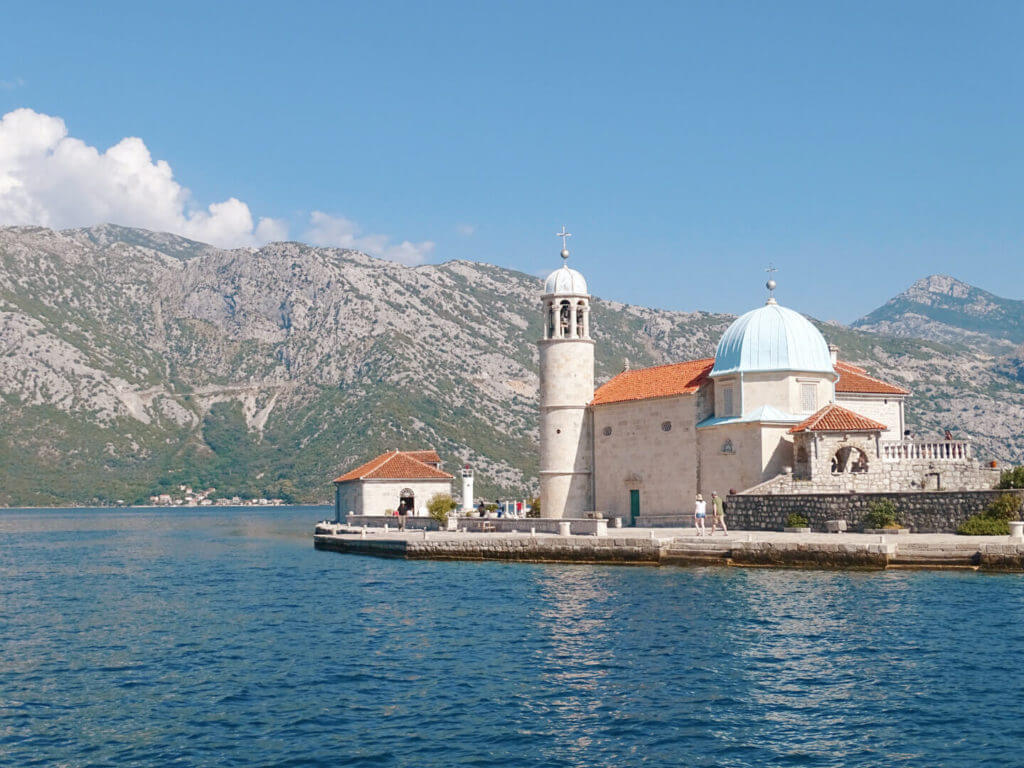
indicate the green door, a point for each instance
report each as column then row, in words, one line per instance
column 634, row 506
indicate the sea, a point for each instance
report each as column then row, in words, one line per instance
column 220, row 637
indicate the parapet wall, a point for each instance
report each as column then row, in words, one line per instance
column 921, row 511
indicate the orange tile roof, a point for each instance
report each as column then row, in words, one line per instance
column 659, row 381
column 835, row 418
column 855, row 380
column 395, row 465
column 427, row 457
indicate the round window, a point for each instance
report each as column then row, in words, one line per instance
column 606, row 431
column 666, row 426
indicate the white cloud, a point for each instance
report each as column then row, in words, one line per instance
column 55, row 180
column 466, row 230
column 339, row 232
column 10, row 85
column 52, row 179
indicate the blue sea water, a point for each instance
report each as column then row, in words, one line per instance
column 220, row 637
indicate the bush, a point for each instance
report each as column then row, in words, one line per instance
column 1006, row 507
column 979, row 525
column 796, row 520
column 1012, row 478
column 882, row 513
column 439, row 506
column 994, row 520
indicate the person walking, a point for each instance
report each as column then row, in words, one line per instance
column 402, row 512
column 699, row 514
column 718, row 509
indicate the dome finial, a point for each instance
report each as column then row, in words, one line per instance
column 770, row 285
column 564, row 235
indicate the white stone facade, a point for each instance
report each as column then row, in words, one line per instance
column 725, row 427
column 886, row 409
column 566, row 388
column 637, row 447
column 377, row 497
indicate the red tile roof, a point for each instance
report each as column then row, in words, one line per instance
column 835, row 418
column 396, row 465
column 427, row 457
column 856, row 381
column 659, row 381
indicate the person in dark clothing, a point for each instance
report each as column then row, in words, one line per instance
column 402, row 512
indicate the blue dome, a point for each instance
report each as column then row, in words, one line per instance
column 772, row 338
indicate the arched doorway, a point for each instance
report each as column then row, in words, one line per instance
column 407, row 497
column 849, row 459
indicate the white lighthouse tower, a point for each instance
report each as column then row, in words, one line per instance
column 467, row 488
column 566, row 388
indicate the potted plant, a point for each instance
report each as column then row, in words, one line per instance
column 883, row 517
column 797, row 523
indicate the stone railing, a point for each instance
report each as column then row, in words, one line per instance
column 936, row 450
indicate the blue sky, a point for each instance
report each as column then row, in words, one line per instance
column 858, row 146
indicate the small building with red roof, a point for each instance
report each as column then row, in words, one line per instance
column 389, row 480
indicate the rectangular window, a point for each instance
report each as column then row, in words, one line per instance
column 727, row 401
column 808, row 398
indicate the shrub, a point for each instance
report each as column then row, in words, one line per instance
column 1012, row 478
column 882, row 514
column 994, row 520
column 796, row 520
column 979, row 525
column 439, row 506
column 1006, row 507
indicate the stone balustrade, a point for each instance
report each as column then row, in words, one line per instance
column 932, row 450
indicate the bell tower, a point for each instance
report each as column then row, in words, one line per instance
column 566, row 389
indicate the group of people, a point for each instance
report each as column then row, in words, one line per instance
column 700, row 514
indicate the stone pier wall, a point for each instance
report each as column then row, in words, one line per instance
column 922, row 512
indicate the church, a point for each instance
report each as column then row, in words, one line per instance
column 774, row 411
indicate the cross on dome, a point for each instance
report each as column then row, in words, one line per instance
column 770, row 285
column 565, row 236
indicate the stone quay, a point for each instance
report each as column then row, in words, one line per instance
column 663, row 546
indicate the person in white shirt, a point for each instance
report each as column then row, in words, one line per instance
column 699, row 515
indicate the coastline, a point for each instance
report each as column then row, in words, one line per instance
column 681, row 547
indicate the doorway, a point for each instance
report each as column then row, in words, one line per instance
column 634, row 506
column 406, row 497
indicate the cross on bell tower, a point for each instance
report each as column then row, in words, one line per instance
column 565, row 236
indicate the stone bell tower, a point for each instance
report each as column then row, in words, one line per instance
column 566, row 388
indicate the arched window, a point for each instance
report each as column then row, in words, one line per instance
column 579, row 320
column 563, row 320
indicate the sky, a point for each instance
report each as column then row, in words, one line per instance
column 856, row 146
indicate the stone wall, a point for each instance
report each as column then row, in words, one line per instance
column 905, row 475
column 922, row 512
column 638, row 446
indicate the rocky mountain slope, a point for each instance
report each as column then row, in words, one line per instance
column 943, row 308
column 133, row 361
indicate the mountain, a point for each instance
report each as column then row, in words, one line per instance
column 132, row 362
column 942, row 308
